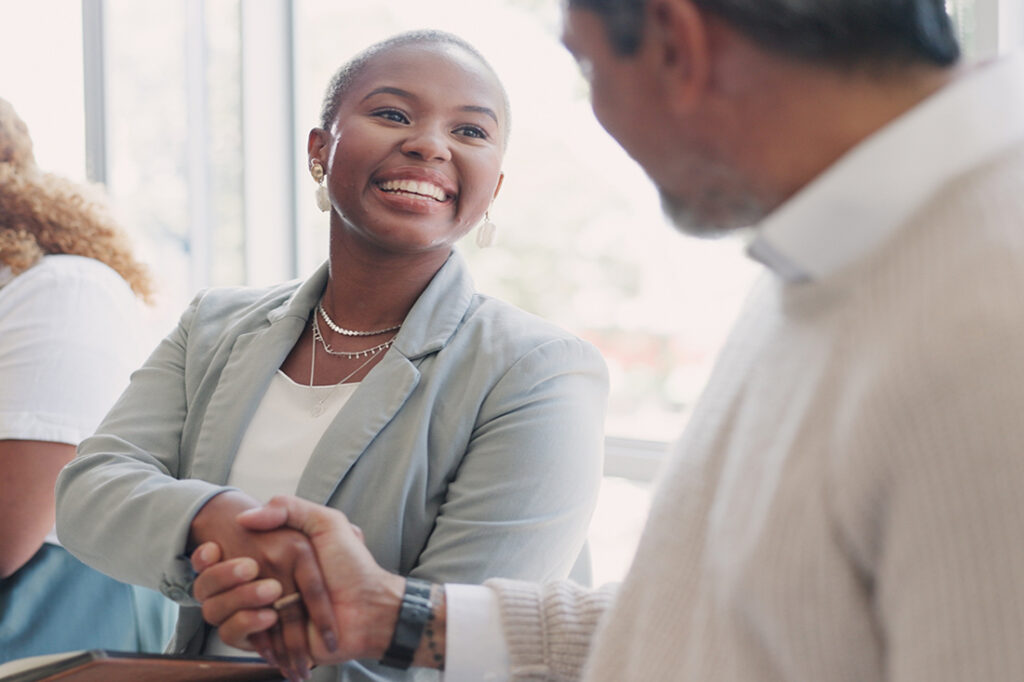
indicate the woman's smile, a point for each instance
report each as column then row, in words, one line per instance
column 415, row 189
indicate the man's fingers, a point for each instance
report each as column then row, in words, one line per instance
column 281, row 659
column 281, row 510
column 292, row 619
column 290, row 640
column 266, row 517
column 294, row 512
column 263, row 645
column 310, row 581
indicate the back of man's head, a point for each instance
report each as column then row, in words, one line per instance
column 847, row 34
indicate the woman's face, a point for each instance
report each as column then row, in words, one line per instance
column 413, row 157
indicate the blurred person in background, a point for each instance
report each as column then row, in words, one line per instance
column 69, row 323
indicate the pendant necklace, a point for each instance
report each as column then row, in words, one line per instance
column 370, row 354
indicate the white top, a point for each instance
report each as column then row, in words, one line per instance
column 289, row 422
column 69, row 339
column 287, row 425
column 844, row 504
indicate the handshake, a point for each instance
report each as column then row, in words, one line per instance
column 293, row 581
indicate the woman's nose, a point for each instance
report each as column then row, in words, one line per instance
column 428, row 144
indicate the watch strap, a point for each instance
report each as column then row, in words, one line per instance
column 412, row 617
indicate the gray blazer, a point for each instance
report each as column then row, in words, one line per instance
column 472, row 450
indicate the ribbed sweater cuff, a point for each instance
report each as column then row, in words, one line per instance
column 548, row 627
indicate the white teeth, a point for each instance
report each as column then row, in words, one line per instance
column 426, row 189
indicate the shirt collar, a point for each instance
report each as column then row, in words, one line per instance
column 858, row 202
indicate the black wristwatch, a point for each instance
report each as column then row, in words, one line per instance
column 412, row 617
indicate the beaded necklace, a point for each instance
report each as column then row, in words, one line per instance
column 338, row 329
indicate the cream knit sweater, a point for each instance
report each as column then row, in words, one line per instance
column 847, row 503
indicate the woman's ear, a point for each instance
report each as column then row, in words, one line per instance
column 497, row 188
column 316, row 145
column 678, row 44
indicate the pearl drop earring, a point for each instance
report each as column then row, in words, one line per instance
column 323, row 200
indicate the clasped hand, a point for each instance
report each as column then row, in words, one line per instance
column 338, row 579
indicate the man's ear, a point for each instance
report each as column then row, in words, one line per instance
column 679, row 41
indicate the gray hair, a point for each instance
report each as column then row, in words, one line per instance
column 839, row 33
column 343, row 78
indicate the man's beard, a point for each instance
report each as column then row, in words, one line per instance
column 722, row 204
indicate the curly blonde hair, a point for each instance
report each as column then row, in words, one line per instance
column 42, row 213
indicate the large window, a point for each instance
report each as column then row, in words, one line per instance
column 173, row 148
column 200, row 110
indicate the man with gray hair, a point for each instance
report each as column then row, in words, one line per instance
column 845, row 501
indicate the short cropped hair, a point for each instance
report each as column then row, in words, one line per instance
column 838, row 33
column 343, row 78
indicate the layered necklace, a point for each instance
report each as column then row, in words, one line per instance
column 317, row 336
column 338, row 329
column 368, row 353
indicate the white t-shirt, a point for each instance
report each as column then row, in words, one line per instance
column 69, row 330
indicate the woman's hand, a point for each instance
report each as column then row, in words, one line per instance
column 364, row 597
column 216, row 576
column 283, row 555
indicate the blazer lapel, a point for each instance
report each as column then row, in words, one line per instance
column 255, row 358
column 431, row 322
column 378, row 398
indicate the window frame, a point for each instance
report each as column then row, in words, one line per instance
column 999, row 27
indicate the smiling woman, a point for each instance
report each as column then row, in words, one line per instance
column 451, row 141
column 463, row 435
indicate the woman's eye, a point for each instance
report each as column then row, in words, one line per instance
column 472, row 131
column 391, row 115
